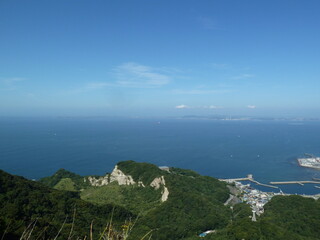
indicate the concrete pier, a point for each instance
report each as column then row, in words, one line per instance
column 295, row 182
column 262, row 184
column 248, row 178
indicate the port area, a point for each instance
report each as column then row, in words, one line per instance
column 309, row 161
column 255, row 198
column 248, row 178
column 245, row 193
column 240, row 192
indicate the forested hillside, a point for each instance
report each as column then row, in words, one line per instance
column 24, row 202
column 193, row 204
column 285, row 218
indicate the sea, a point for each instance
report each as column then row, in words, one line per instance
column 38, row 147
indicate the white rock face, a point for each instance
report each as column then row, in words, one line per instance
column 140, row 184
column 116, row 175
column 165, row 194
column 120, row 177
column 157, row 183
column 97, row 182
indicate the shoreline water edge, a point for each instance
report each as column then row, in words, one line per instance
column 240, row 192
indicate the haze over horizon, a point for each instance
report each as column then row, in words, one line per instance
column 159, row 58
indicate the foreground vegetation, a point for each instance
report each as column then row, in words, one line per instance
column 30, row 205
column 195, row 204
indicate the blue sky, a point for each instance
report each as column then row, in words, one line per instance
column 159, row 58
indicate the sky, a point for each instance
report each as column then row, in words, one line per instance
column 159, row 57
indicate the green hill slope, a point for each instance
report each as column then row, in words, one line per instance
column 25, row 202
column 64, row 180
column 194, row 203
column 171, row 204
column 285, row 218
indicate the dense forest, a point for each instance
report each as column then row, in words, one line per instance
column 27, row 203
column 66, row 206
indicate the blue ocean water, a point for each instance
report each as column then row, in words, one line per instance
column 34, row 147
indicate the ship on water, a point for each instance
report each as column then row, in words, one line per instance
column 310, row 161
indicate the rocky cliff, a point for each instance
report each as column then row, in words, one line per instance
column 117, row 175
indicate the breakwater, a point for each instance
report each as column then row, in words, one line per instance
column 295, row 182
column 248, row 178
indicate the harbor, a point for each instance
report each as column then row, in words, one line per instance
column 251, row 179
column 254, row 197
column 310, row 161
column 257, row 198
column 248, row 178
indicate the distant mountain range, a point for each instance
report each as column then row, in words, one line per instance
column 240, row 117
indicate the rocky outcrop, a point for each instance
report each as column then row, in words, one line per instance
column 122, row 179
column 116, row 175
column 97, row 182
column 165, row 194
column 157, row 183
column 140, row 184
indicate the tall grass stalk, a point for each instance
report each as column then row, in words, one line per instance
column 110, row 232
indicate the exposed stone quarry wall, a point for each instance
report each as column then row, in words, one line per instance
column 118, row 176
column 156, row 184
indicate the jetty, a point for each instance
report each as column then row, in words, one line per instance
column 248, row 178
column 310, row 161
column 295, row 182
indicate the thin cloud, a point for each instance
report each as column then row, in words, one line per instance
column 243, row 76
column 140, row 76
column 199, row 91
column 182, row 106
column 213, row 107
column 98, row 85
column 91, row 86
column 12, row 80
column 10, row 83
column 251, row 106
column 130, row 75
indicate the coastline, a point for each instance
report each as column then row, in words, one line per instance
column 254, row 197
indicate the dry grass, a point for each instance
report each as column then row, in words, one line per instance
column 110, row 232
